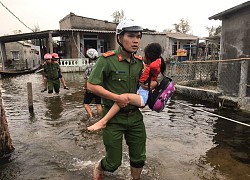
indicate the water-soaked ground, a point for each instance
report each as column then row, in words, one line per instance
column 182, row 143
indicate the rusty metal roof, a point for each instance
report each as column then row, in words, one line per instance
column 230, row 11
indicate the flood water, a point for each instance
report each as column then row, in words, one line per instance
column 182, row 143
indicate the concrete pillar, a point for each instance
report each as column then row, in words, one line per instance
column 46, row 44
column 78, row 41
column 243, row 78
column 243, row 100
column 41, row 54
column 3, row 55
column 50, row 43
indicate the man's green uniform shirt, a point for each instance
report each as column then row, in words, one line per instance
column 52, row 71
column 117, row 75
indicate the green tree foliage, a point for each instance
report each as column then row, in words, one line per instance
column 118, row 16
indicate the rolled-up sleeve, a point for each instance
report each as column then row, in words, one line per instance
column 99, row 72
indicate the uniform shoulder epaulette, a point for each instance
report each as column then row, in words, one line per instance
column 138, row 57
column 109, row 53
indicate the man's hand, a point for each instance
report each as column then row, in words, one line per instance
column 122, row 100
column 153, row 85
column 84, row 90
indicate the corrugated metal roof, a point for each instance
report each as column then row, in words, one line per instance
column 86, row 30
column 214, row 38
column 182, row 36
column 24, row 43
column 105, row 31
column 56, row 33
column 154, row 33
column 229, row 11
column 45, row 34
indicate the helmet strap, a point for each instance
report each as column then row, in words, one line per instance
column 123, row 48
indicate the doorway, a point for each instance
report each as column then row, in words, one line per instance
column 89, row 44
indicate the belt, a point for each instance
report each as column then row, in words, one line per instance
column 53, row 79
column 127, row 111
column 124, row 110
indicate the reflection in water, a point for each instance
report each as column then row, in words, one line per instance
column 182, row 143
column 54, row 107
column 233, row 145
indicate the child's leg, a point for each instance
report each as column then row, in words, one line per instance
column 134, row 99
column 87, row 100
column 99, row 109
column 98, row 101
column 88, row 110
column 45, row 85
column 102, row 122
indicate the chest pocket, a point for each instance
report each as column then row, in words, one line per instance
column 120, row 81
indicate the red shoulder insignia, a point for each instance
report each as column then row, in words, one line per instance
column 109, row 53
column 120, row 57
column 138, row 57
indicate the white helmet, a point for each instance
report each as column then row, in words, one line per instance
column 92, row 53
column 128, row 25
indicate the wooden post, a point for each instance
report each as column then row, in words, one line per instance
column 30, row 96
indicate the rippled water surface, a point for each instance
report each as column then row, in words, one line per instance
column 183, row 143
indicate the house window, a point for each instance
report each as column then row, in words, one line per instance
column 89, row 36
column 15, row 55
column 102, row 46
column 174, row 48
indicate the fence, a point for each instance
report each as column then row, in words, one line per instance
column 231, row 77
column 73, row 65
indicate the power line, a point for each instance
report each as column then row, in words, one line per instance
column 16, row 17
column 232, row 120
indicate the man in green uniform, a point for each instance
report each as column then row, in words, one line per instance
column 51, row 73
column 117, row 72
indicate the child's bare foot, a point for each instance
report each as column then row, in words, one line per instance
column 97, row 126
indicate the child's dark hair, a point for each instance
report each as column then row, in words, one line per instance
column 153, row 51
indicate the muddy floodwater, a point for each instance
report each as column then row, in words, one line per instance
column 182, row 143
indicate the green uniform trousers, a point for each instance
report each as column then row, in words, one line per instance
column 130, row 125
column 53, row 84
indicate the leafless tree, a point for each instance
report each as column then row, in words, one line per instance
column 213, row 31
column 168, row 30
column 35, row 41
column 183, row 26
column 118, row 16
column 17, row 31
